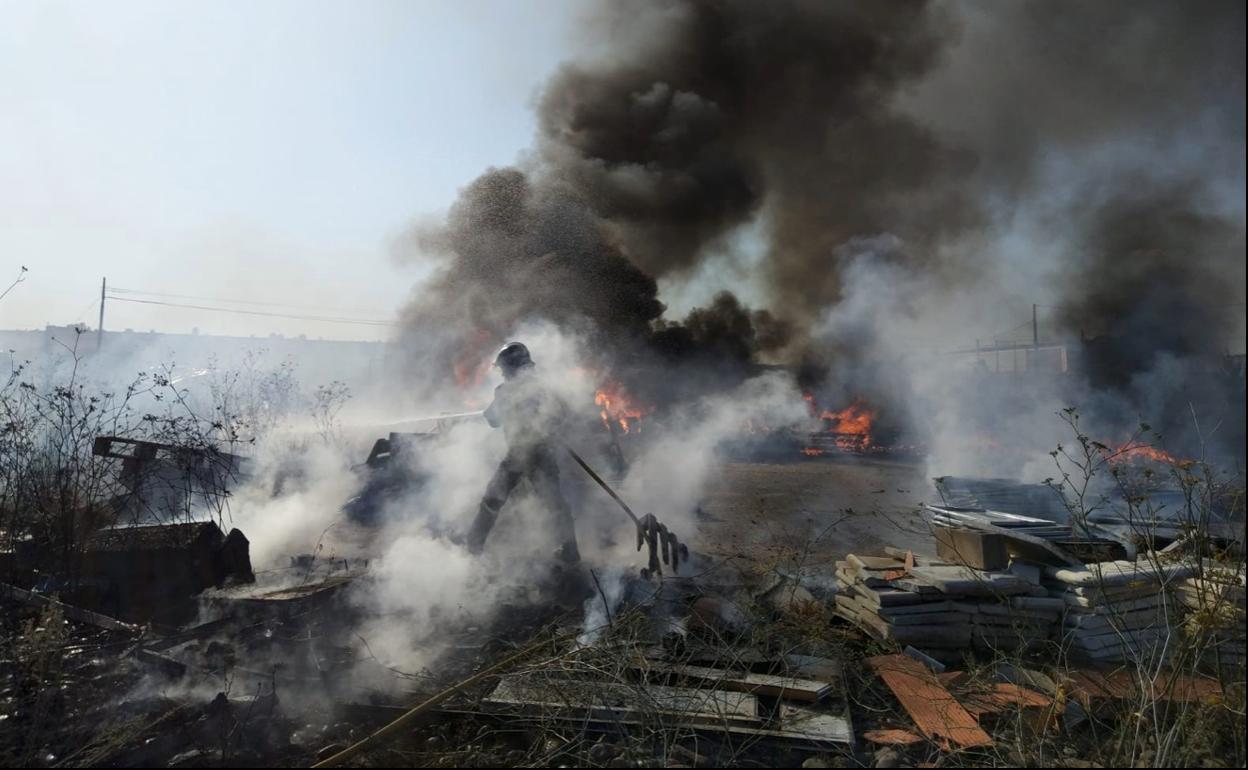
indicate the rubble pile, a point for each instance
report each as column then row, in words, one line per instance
column 173, row 651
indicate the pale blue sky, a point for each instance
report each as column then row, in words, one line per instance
column 253, row 150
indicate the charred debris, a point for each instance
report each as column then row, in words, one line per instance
column 1021, row 622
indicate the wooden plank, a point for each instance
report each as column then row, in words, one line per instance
column 963, row 580
column 952, row 679
column 1121, row 685
column 195, row 632
column 1036, row 711
column 853, row 618
column 944, row 605
column 892, row 737
column 174, row 669
column 308, row 591
column 1025, row 677
column 873, row 563
column 848, row 607
column 802, row 728
column 930, row 663
column 1119, row 573
column 1120, row 642
column 713, row 655
column 928, row 619
column 934, row 710
column 790, row 688
column 926, row 636
column 868, row 579
column 1181, row 687
column 1038, row 603
column 885, row 597
column 1108, row 607
column 1093, row 688
column 1004, row 696
column 927, row 614
column 1004, row 611
column 1132, row 590
column 69, row 611
column 812, row 667
column 613, row 702
column 910, row 557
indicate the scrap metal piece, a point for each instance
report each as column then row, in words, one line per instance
column 664, row 547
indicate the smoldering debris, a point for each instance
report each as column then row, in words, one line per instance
column 840, row 164
column 326, row 646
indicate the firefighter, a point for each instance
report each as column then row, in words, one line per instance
column 530, row 419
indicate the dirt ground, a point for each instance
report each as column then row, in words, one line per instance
column 809, row 513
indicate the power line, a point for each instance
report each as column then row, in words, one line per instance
column 323, row 319
column 1005, row 334
column 230, row 301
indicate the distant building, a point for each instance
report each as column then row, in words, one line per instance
column 317, row 361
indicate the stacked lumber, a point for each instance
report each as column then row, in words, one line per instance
column 1214, row 604
column 1012, row 623
column 1116, row 610
column 942, row 606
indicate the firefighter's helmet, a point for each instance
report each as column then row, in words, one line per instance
column 513, row 357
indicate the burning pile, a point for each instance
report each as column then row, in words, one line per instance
column 846, row 430
column 618, row 408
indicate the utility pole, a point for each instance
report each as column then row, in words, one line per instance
column 1035, row 341
column 99, row 332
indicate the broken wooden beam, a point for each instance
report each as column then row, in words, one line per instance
column 69, row 611
column 526, row 696
column 195, row 632
column 935, row 711
column 519, row 694
column 1035, row 709
column 786, row 687
column 801, row 728
column 892, row 737
column 174, row 669
column 1094, row 688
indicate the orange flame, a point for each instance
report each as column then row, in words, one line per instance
column 853, row 423
column 1133, row 451
column 619, row 407
column 855, row 418
column 851, row 426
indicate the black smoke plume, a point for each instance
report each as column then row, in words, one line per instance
column 1114, row 130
